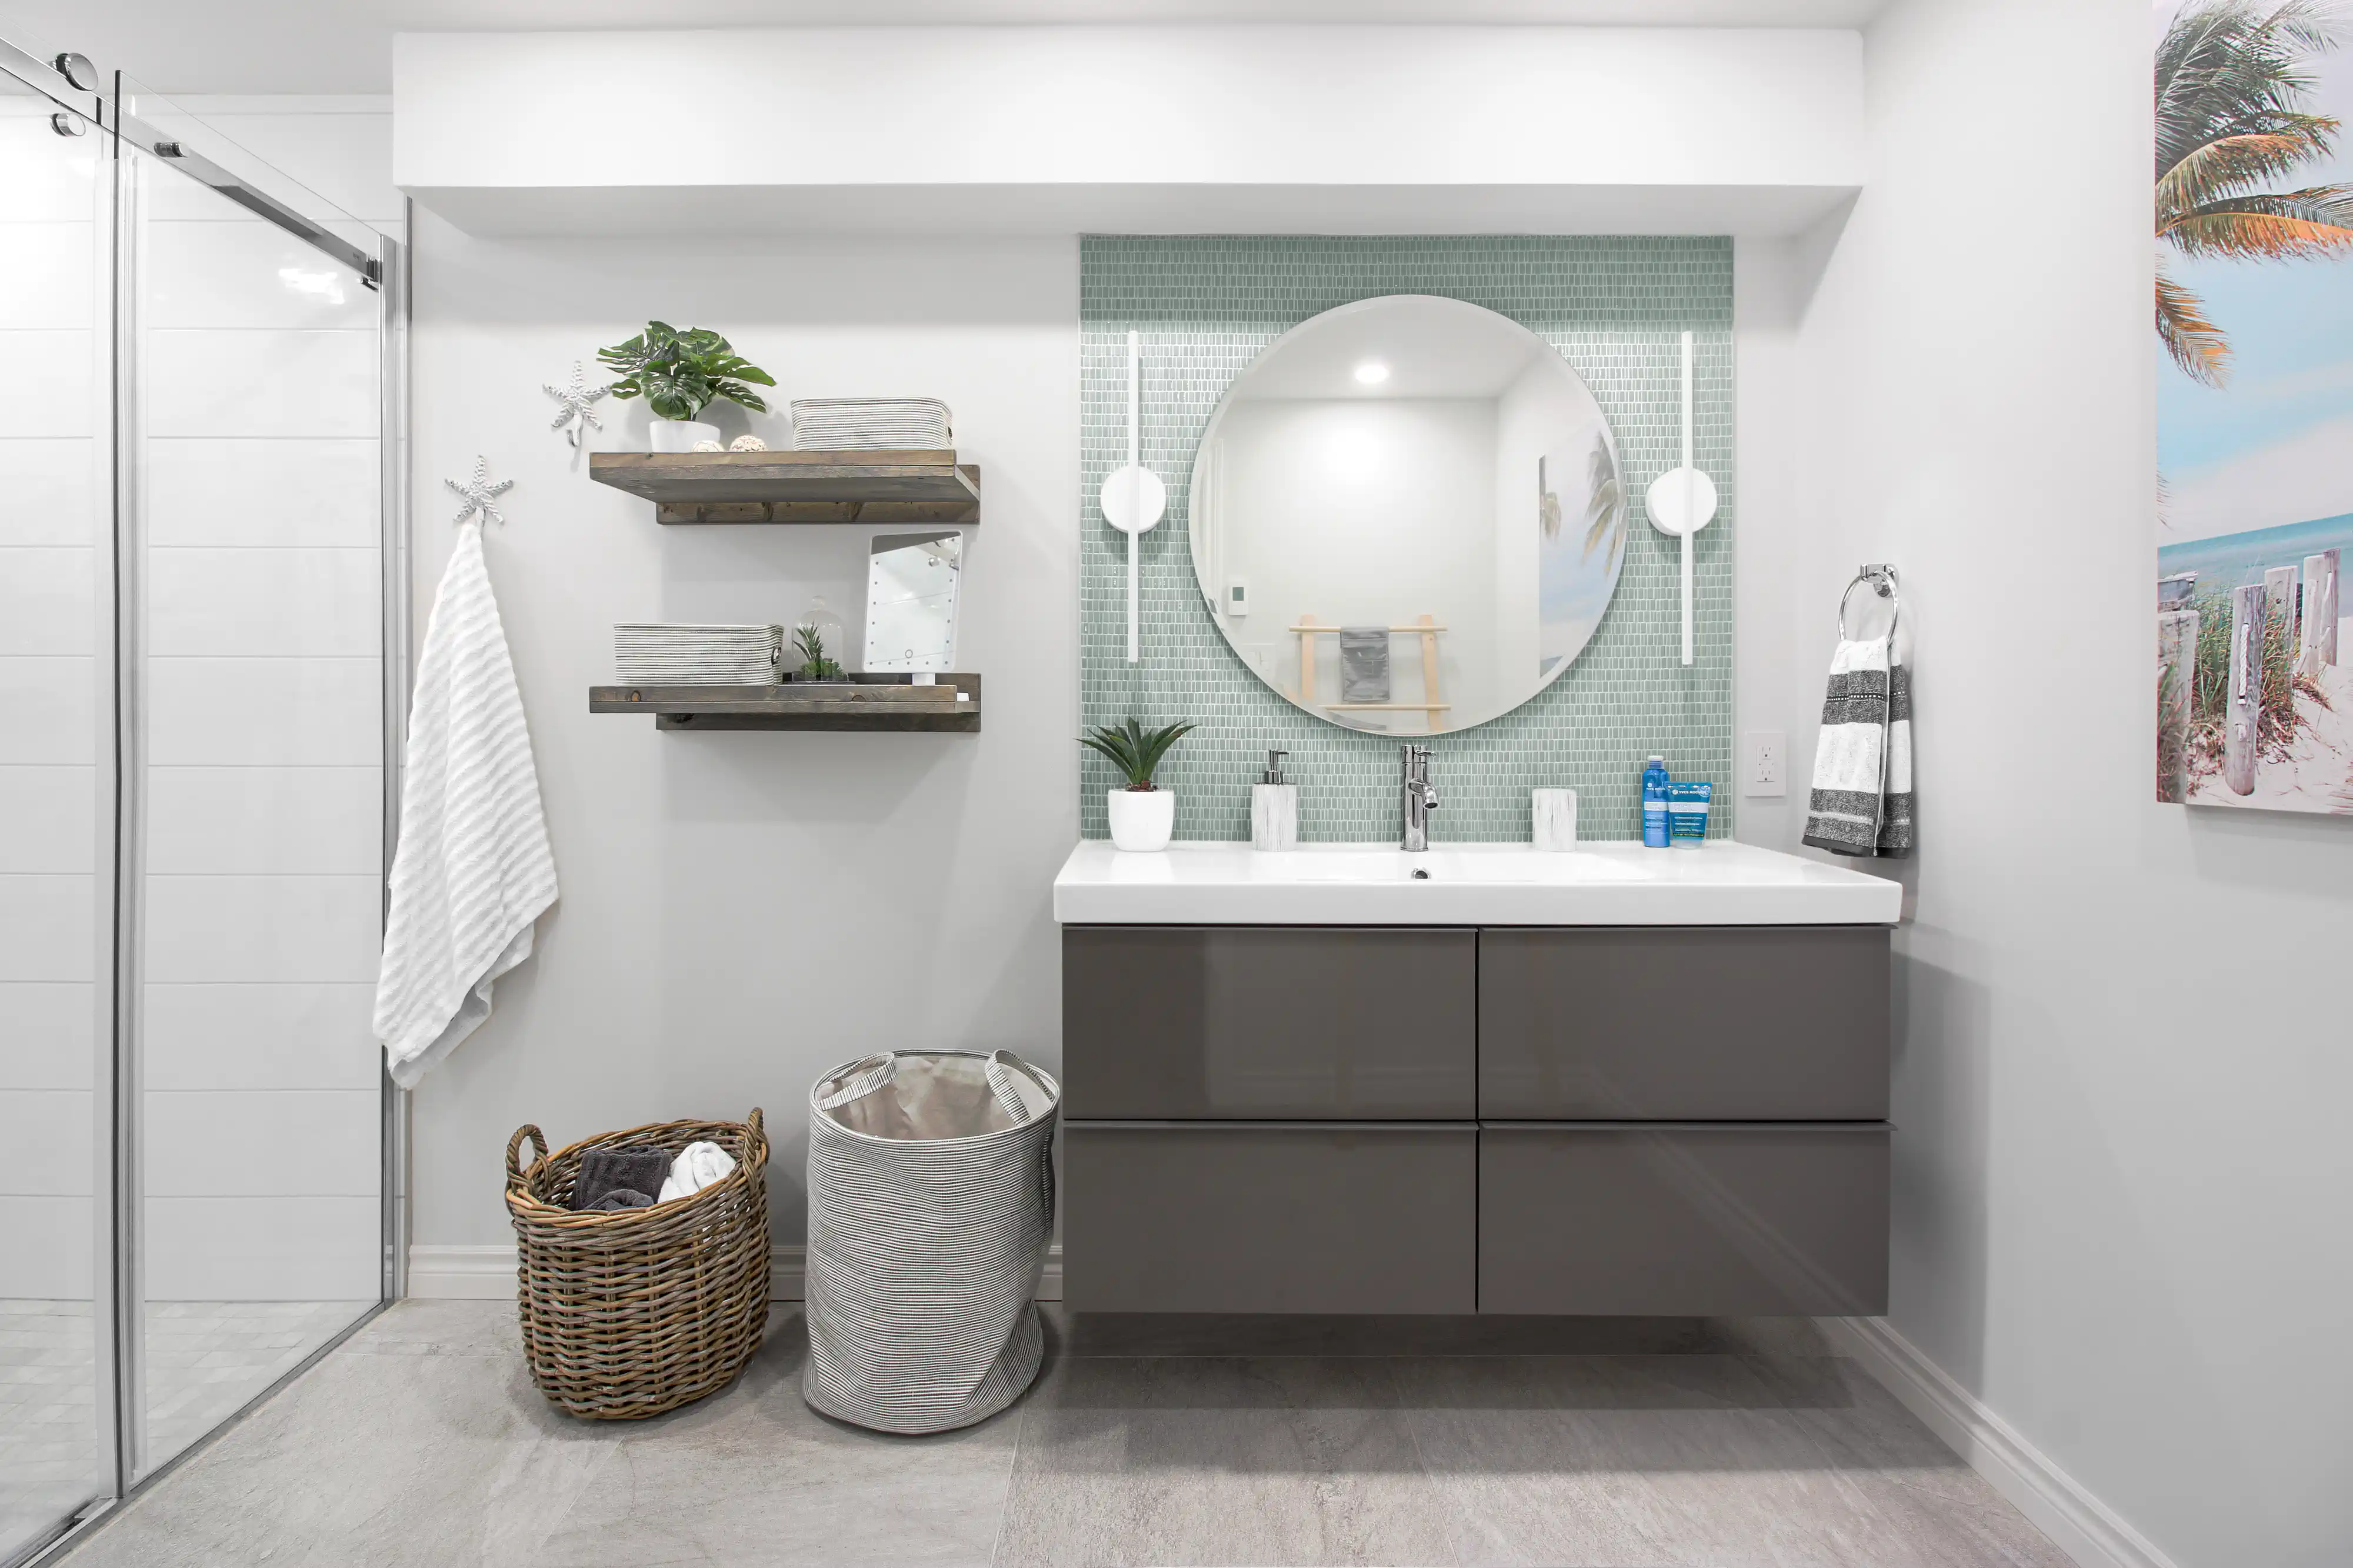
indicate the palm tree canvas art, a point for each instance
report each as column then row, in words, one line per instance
column 2254, row 346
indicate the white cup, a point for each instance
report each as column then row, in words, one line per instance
column 1554, row 812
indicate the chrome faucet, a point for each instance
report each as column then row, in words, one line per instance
column 1420, row 800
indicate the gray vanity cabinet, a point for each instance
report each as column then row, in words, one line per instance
column 1675, row 1121
column 1269, row 1216
column 1683, row 1023
column 1714, row 1218
column 1270, row 1022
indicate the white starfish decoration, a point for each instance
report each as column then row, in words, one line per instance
column 480, row 492
column 575, row 399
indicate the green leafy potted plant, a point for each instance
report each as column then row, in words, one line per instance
column 680, row 374
column 1142, row 814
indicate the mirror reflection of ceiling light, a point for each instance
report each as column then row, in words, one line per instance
column 321, row 285
column 1372, row 372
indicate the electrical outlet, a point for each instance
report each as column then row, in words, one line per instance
column 1765, row 762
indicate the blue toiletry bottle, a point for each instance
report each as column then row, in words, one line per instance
column 1654, row 804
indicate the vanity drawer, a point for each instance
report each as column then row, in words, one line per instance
column 1268, row 1217
column 1275, row 1022
column 1696, row 1023
column 1678, row 1220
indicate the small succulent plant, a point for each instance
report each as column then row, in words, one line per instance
column 816, row 663
column 1134, row 749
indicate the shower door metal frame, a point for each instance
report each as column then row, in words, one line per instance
column 117, row 1298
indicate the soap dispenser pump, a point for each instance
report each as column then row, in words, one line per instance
column 1274, row 806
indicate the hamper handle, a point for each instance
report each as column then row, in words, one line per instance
column 514, row 1147
column 863, row 1077
column 1000, row 1069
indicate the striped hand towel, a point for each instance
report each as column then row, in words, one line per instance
column 1861, row 802
column 473, row 871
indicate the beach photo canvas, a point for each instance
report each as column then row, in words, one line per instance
column 2254, row 327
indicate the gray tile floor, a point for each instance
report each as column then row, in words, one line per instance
column 205, row 1359
column 1617, row 1445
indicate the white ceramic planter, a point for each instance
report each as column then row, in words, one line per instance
column 680, row 435
column 1141, row 819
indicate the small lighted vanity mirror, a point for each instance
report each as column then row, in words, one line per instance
column 1407, row 516
column 911, row 600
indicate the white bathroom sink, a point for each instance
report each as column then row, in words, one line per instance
column 1466, row 884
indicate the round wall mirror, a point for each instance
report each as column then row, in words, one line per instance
column 1407, row 515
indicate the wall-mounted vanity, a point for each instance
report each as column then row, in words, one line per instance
column 1614, row 1081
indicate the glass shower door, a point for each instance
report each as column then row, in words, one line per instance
column 56, row 778
column 259, row 740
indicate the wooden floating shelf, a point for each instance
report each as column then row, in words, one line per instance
column 886, row 487
column 868, row 702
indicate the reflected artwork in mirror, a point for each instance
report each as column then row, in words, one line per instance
column 911, row 600
column 1407, row 515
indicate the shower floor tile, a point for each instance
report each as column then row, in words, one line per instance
column 205, row 1359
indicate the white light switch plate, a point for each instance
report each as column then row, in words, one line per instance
column 1764, row 763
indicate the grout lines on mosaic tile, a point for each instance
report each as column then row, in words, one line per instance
column 1206, row 306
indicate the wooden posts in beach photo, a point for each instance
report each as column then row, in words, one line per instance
column 2319, row 646
column 2279, row 603
column 2242, row 707
column 2177, row 679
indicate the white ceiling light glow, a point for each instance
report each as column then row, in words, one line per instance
column 1372, row 372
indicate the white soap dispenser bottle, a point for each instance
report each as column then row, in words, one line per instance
column 1274, row 806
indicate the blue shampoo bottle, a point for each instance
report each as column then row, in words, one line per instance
column 1654, row 804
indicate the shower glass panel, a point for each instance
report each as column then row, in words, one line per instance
column 253, row 483
column 56, row 628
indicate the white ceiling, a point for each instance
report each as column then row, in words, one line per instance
column 344, row 46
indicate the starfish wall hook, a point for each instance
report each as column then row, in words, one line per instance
column 576, row 415
column 480, row 492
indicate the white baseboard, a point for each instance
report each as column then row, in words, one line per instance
column 488, row 1274
column 2083, row 1526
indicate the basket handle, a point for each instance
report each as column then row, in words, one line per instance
column 515, row 1148
column 863, row 1077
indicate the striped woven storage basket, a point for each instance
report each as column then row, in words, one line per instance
column 631, row 1312
column 931, row 1198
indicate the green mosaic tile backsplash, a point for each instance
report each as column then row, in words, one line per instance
column 1206, row 306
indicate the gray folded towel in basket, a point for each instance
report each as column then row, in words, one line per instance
column 1364, row 664
column 604, row 1170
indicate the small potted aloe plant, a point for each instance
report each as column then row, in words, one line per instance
column 1142, row 814
column 680, row 374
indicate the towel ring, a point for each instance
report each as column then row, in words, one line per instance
column 1883, row 581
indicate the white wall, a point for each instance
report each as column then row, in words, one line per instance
column 2122, row 1187
column 1274, row 128
column 740, row 912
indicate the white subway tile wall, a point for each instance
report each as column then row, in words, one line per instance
column 264, row 820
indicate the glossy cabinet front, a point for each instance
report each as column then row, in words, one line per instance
column 1727, row 1219
column 1258, row 1216
column 1667, row 1120
column 1268, row 1023
column 1701, row 1024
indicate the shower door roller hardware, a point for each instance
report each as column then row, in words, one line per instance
column 65, row 123
column 76, row 70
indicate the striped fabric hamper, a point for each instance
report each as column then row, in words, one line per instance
column 930, row 1201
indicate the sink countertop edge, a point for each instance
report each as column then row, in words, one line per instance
column 1769, row 889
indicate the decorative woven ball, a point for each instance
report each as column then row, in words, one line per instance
column 708, row 447
column 747, row 443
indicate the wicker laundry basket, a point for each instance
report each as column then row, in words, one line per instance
column 630, row 1312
